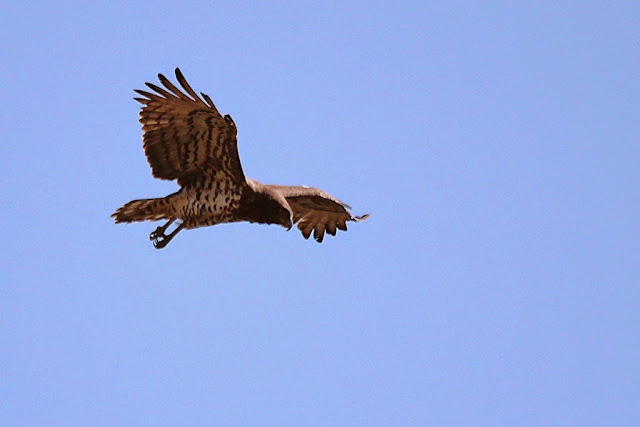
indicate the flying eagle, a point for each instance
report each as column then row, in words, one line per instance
column 187, row 139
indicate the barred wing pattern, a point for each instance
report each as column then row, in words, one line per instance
column 185, row 137
column 316, row 211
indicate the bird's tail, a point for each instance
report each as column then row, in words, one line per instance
column 145, row 210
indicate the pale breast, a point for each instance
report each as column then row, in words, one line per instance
column 212, row 201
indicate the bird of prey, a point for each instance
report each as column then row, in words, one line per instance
column 188, row 140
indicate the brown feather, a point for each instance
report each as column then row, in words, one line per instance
column 167, row 83
column 185, row 86
column 161, row 91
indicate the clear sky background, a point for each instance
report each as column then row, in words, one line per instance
column 495, row 145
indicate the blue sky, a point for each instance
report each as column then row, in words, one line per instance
column 495, row 146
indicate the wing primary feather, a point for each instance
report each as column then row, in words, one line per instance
column 151, row 96
column 330, row 228
column 177, row 92
column 318, row 233
column 185, row 86
column 209, row 101
column 161, row 91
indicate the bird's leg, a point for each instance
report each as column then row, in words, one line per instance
column 160, row 240
column 159, row 232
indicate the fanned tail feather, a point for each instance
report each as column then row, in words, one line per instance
column 144, row 210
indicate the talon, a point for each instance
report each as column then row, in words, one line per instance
column 160, row 242
column 157, row 234
column 158, row 238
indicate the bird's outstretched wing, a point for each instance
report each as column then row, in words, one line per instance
column 185, row 137
column 314, row 210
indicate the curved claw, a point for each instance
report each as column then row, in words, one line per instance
column 157, row 234
column 160, row 242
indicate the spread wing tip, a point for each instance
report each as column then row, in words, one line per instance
column 360, row 218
